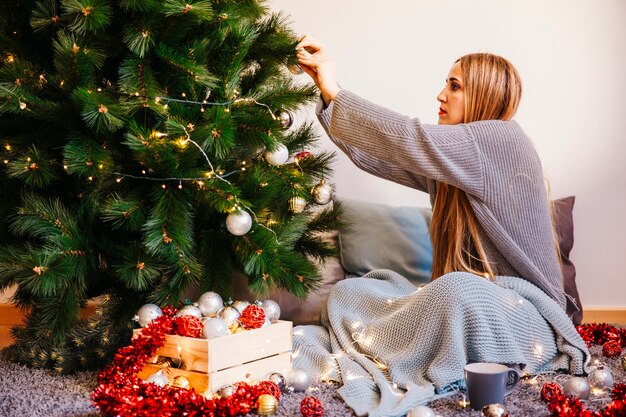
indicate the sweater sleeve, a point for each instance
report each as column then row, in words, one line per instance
column 403, row 149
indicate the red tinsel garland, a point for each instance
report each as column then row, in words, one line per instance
column 121, row 393
column 612, row 339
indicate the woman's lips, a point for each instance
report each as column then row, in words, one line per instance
column 441, row 111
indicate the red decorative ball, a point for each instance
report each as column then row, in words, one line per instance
column 612, row 348
column 311, row 407
column 269, row 387
column 189, row 326
column 252, row 317
column 302, row 155
column 550, row 390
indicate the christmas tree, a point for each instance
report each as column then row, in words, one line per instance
column 145, row 150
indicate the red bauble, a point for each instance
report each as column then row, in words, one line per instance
column 302, row 155
column 612, row 348
column 189, row 326
column 269, row 387
column 550, row 390
column 311, row 407
column 252, row 317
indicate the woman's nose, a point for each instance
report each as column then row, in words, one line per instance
column 441, row 97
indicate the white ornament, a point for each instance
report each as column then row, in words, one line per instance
column 578, row 387
column 229, row 314
column 158, row 379
column 278, row 156
column 239, row 222
column 210, row 303
column 286, row 119
column 322, row 193
column 298, row 380
column 600, row 378
column 189, row 310
column 240, row 305
column 213, row 328
column 272, row 309
column 421, row 411
column 147, row 313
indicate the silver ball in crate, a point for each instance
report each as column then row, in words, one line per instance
column 159, row 379
column 495, row 410
column 210, row 303
column 214, row 328
column 421, row 411
column 298, row 380
column 239, row 222
column 322, row 193
column 278, row 156
column 578, row 387
column 230, row 315
column 297, row 204
column 189, row 310
column 266, row 323
column 286, row 118
column 278, row 379
column 600, row 378
column 147, row 313
column 272, row 309
column 240, row 305
column 295, row 69
column 226, row 391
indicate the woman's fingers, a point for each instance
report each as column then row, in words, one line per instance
column 309, row 44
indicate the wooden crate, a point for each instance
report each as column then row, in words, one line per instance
column 212, row 364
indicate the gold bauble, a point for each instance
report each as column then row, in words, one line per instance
column 624, row 362
column 268, row 405
column 297, row 204
column 180, row 381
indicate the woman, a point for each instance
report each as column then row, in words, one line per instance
column 491, row 231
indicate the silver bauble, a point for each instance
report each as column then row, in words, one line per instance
column 189, row 310
column 297, row 204
column 295, row 69
column 600, row 378
column 159, row 379
column 298, row 380
column 421, row 411
column 210, row 303
column 286, row 119
column 227, row 391
column 277, row 379
column 240, row 305
column 272, row 309
column 322, row 193
column 214, row 328
column 495, row 410
column 147, row 313
column 577, row 386
column 229, row 314
column 266, row 323
column 239, row 222
column 278, row 156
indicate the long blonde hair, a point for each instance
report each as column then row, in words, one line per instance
column 493, row 89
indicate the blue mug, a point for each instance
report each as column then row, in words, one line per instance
column 488, row 383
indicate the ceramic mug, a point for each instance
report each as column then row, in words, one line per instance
column 488, row 383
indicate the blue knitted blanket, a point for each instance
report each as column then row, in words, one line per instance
column 394, row 346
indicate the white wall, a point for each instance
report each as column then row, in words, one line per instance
column 572, row 59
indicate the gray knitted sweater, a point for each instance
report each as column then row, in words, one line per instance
column 493, row 161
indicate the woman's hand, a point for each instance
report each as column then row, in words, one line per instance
column 313, row 60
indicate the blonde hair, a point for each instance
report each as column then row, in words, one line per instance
column 493, row 89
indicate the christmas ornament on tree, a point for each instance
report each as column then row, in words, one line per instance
column 322, row 193
column 267, row 405
column 578, row 387
column 278, row 156
column 252, row 317
column 147, row 313
column 272, row 309
column 421, row 411
column 495, row 410
column 311, row 407
column 297, row 204
column 295, row 69
column 239, row 222
column 298, row 380
column 300, row 156
column 286, row 119
column 214, row 327
column 210, row 303
column 600, row 378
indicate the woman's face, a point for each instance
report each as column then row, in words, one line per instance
column 452, row 98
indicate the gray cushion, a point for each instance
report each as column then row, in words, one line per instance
column 384, row 237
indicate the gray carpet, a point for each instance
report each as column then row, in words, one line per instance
column 26, row 392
